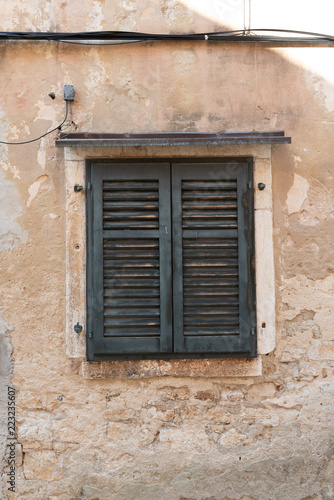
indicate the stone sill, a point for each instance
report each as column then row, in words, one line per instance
column 208, row 368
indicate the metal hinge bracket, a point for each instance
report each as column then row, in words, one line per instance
column 78, row 328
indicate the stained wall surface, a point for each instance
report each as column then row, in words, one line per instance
column 167, row 436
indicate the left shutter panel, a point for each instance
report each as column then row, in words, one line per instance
column 129, row 243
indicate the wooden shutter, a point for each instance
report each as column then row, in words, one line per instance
column 213, row 292
column 129, row 265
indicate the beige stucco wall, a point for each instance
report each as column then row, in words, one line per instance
column 261, row 437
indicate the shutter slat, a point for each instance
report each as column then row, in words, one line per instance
column 199, row 186
column 207, row 263
column 205, row 300
column 206, row 291
column 203, row 321
column 124, row 255
column 204, row 224
column 124, row 273
column 130, row 311
column 133, row 264
column 207, row 330
column 127, row 205
column 146, row 302
column 138, row 185
column 195, row 204
column 203, row 252
column 209, row 215
column 113, row 215
column 124, row 293
column 130, row 224
column 126, row 284
column 214, row 281
column 211, row 311
column 210, row 196
column 132, row 196
column 136, row 321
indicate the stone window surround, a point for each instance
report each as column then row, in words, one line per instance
column 75, row 167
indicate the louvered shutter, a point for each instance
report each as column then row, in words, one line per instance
column 129, row 265
column 213, row 292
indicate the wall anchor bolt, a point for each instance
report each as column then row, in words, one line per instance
column 77, row 188
column 261, row 186
column 77, row 328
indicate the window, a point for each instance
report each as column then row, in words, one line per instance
column 170, row 259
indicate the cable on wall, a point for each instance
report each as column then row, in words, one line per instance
column 47, row 133
column 133, row 37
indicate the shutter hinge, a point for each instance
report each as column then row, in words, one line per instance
column 90, row 334
column 253, row 331
column 78, row 328
column 249, row 184
column 89, row 186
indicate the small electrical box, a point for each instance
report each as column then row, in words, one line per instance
column 68, row 92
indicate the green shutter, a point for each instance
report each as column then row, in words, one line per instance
column 129, row 265
column 213, row 295
column 142, row 231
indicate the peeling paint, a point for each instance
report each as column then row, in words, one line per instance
column 11, row 233
column 297, row 194
column 97, row 17
column 35, row 188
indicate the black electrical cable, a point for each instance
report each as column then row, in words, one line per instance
column 97, row 44
column 70, row 125
column 130, row 36
column 40, row 137
column 297, row 32
column 148, row 38
column 107, row 35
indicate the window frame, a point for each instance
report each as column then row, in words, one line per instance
column 251, row 270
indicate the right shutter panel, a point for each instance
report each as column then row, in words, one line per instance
column 213, row 296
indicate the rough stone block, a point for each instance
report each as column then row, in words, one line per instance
column 261, row 391
column 321, row 350
column 218, row 415
column 173, row 393
column 34, row 426
column 185, row 438
column 232, row 438
column 45, row 465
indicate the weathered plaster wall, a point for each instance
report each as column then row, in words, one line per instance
column 182, row 438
